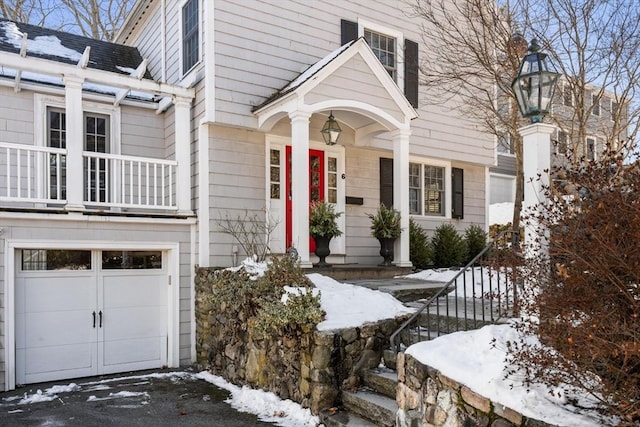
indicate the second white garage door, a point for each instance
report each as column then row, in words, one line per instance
column 81, row 313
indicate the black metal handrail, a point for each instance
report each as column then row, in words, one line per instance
column 488, row 307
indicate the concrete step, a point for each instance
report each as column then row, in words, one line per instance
column 382, row 380
column 379, row 409
column 403, row 289
column 343, row 418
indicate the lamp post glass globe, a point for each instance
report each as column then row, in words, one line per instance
column 535, row 84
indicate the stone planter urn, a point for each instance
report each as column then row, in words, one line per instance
column 386, row 250
column 323, row 226
column 322, row 250
column 385, row 226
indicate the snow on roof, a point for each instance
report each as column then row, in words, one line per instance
column 41, row 45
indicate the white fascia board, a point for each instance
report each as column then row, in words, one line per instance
column 43, row 66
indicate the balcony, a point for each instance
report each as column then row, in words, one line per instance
column 36, row 177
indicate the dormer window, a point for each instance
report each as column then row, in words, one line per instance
column 190, row 35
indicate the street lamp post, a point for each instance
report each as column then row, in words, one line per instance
column 534, row 86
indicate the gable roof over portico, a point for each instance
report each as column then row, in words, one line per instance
column 350, row 79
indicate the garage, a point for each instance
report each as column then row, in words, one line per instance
column 89, row 312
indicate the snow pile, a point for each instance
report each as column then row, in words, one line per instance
column 266, row 405
column 348, row 305
column 501, row 213
column 477, row 360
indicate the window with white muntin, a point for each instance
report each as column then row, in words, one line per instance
column 386, row 44
column 190, row 19
column 101, row 134
column 428, row 188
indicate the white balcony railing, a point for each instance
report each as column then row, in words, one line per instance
column 129, row 181
column 37, row 175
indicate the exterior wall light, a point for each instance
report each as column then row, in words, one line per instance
column 331, row 130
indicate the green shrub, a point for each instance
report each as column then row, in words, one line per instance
column 476, row 239
column 448, row 247
column 256, row 303
column 419, row 248
column 300, row 312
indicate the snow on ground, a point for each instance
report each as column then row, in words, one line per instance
column 467, row 357
column 266, row 405
column 501, row 213
column 471, row 359
column 349, row 305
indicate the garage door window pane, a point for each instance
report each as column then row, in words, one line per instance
column 128, row 260
column 55, row 259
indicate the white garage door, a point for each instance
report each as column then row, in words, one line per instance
column 83, row 312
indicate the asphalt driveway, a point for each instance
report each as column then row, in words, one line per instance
column 158, row 398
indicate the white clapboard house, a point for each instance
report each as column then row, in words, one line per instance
column 118, row 162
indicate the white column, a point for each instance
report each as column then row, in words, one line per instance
column 536, row 161
column 75, row 142
column 183, row 154
column 300, row 184
column 401, row 194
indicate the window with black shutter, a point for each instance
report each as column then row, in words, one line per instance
column 386, row 182
column 457, row 193
column 411, row 72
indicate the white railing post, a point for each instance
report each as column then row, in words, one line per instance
column 74, row 140
column 182, row 120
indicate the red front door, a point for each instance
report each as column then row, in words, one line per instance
column 316, row 189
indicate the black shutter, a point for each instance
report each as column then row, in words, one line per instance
column 386, row 182
column 411, row 72
column 349, row 31
column 457, row 193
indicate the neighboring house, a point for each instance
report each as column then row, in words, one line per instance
column 240, row 92
column 604, row 125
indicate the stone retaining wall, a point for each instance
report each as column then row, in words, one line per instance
column 307, row 367
column 426, row 397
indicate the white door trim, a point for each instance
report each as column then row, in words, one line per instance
column 173, row 292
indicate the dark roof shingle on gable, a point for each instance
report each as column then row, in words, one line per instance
column 104, row 55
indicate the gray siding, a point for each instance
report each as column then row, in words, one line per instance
column 261, row 46
column 236, row 183
column 506, row 165
column 16, row 116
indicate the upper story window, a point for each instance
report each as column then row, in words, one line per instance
column 614, row 110
column 385, row 49
column 505, row 146
column 567, row 95
column 595, row 102
column 397, row 54
column 561, row 147
column 190, row 35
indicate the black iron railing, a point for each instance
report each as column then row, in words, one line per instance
column 479, row 294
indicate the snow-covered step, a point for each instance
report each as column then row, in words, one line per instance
column 379, row 409
column 382, row 380
column 343, row 419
